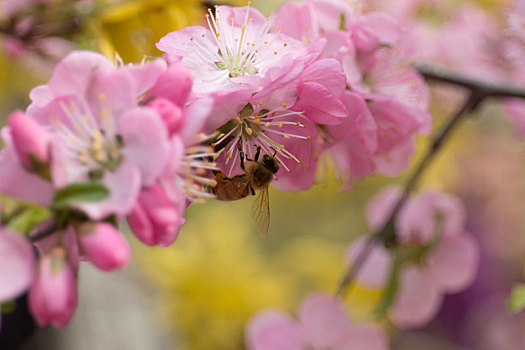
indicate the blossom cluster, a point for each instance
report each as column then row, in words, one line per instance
column 102, row 142
column 434, row 255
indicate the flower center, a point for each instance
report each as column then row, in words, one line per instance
column 238, row 47
column 93, row 147
column 268, row 129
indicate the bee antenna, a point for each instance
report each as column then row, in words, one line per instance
column 274, row 151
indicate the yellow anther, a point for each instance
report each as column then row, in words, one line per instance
column 249, row 131
column 104, row 113
column 280, row 124
column 284, row 105
column 102, row 97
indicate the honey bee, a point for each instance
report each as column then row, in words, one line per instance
column 258, row 174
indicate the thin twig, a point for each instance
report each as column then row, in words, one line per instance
column 489, row 89
column 479, row 91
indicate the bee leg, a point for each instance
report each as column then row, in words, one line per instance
column 252, row 190
column 258, row 153
column 241, row 153
column 220, row 176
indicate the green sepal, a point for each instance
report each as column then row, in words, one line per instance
column 79, row 192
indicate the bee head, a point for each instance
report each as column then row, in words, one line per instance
column 270, row 163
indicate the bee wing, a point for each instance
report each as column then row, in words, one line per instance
column 261, row 211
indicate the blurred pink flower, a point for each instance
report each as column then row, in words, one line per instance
column 31, row 141
column 322, row 324
column 445, row 258
column 99, row 131
column 53, row 295
column 155, row 219
column 17, row 267
column 104, row 245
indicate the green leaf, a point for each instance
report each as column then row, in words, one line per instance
column 79, row 192
column 29, row 219
column 516, row 300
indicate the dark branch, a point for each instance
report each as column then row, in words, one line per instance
column 479, row 91
column 487, row 88
column 44, row 232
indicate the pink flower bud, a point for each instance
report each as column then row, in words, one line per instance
column 29, row 139
column 171, row 115
column 104, row 245
column 53, row 295
column 155, row 219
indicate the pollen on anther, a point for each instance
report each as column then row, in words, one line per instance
column 191, row 39
column 308, row 137
column 218, row 34
column 285, row 44
column 280, row 125
column 275, row 52
column 284, row 105
column 265, row 42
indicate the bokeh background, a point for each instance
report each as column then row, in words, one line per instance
column 198, row 293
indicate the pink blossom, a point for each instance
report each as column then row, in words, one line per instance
column 240, row 50
column 322, row 324
column 431, row 226
column 155, row 219
column 53, row 295
column 99, row 132
column 282, row 119
column 104, row 245
column 31, row 141
column 16, row 181
column 16, row 269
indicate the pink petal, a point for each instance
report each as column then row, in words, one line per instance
column 104, row 245
column 365, row 338
column 197, row 114
column 53, row 296
column 377, row 267
column 73, row 74
column 381, row 205
column 173, row 84
column 17, row 182
column 416, row 223
column 273, row 330
column 296, row 18
column 16, row 266
column 359, row 125
column 146, row 142
column 396, row 160
column 124, row 185
column 323, row 320
column 417, row 301
column 40, row 96
column 454, row 263
column 327, row 72
column 321, row 105
column 144, row 75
